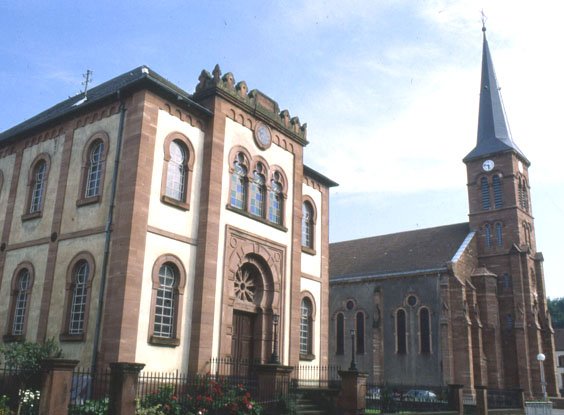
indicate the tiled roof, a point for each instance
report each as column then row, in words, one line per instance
column 97, row 94
column 412, row 251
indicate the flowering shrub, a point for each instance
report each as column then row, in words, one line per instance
column 29, row 402
column 204, row 396
column 90, row 407
column 4, row 408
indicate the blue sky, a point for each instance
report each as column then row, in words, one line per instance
column 389, row 89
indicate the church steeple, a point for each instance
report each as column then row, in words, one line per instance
column 494, row 135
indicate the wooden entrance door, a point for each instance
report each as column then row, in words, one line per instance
column 242, row 341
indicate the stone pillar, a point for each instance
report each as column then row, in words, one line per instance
column 481, row 400
column 455, row 400
column 123, row 387
column 56, row 383
column 352, row 398
column 273, row 381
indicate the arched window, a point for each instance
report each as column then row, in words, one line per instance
column 23, row 289
column 306, row 328
column 79, row 296
column 340, row 334
column 275, row 202
column 485, row 193
column 401, row 332
column 424, row 331
column 509, row 322
column 499, row 234
column 525, row 192
column 506, row 281
column 176, row 172
column 22, row 283
column 177, row 168
column 498, row 194
column 95, row 169
column 360, row 332
column 257, row 199
column 168, row 286
column 37, row 186
column 488, row 235
column 238, row 190
column 165, row 307
column 308, row 225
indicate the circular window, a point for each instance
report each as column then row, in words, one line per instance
column 411, row 300
column 350, row 305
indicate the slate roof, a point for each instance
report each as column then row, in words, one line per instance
column 559, row 340
column 494, row 135
column 404, row 252
column 138, row 77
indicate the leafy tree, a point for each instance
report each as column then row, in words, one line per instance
column 27, row 355
column 556, row 309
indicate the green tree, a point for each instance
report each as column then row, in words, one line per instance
column 556, row 309
column 27, row 355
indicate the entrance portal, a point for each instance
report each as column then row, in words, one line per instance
column 242, row 341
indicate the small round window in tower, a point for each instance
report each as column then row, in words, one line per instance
column 411, row 300
column 350, row 305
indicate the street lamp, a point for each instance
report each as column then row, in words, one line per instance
column 540, row 358
column 353, row 367
column 274, row 357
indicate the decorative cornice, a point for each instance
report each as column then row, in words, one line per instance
column 255, row 102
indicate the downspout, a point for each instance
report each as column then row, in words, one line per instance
column 107, row 231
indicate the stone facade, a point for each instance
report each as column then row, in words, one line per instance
column 90, row 226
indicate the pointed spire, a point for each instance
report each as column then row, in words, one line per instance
column 494, row 135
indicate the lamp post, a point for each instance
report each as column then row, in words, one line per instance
column 353, row 367
column 540, row 358
column 274, row 357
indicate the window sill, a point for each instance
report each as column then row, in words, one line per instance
column 164, row 341
column 71, row 337
column 257, row 218
column 309, row 251
column 308, row 357
column 175, row 203
column 88, row 200
column 13, row 338
column 30, row 216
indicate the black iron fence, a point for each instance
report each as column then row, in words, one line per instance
column 310, row 376
column 505, row 398
column 20, row 387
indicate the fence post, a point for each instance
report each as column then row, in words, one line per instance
column 273, row 381
column 455, row 400
column 352, row 398
column 124, row 378
column 481, row 400
column 56, row 384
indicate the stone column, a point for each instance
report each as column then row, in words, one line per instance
column 352, row 398
column 481, row 400
column 56, row 383
column 123, row 387
column 273, row 381
column 455, row 400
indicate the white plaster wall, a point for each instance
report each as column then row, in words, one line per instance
column 164, row 216
column 40, row 227
column 67, row 250
column 237, row 134
column 314, row 287
column 36, row 255
column 311, row 264
column 93, row 215
column 161, row 358
column 7, row 169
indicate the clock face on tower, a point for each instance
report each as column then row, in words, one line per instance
column 263, row 136
column 488, row 165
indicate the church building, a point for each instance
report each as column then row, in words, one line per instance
column 457, row 304
column 141, row 223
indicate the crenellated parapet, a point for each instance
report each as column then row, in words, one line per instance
column 256, row 102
